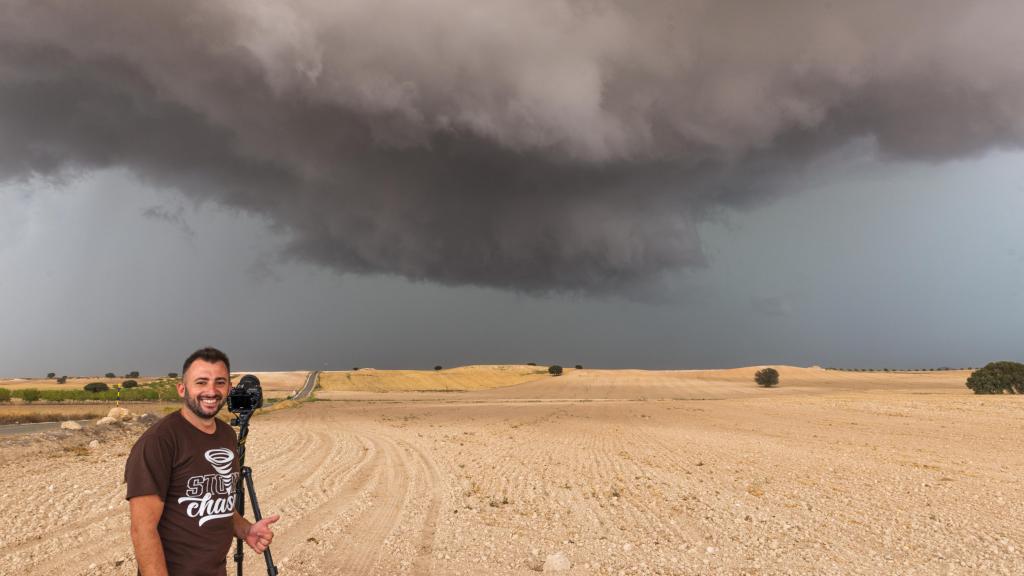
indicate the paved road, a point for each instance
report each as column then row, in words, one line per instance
column 15, row 429
column 311, row 381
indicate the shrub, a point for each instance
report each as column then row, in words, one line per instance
column 129, row 384
column 172, row 374
column 767, row 377
column 355, row 368
column 438, row 367
column 5, row 395
column 109, row 375
column 531, row 363
column 998, row 378
column 30, row 394
column 51, row 374
column 140, row 394
column 62, row 380
column 133, row 374
column 579, row 366
column 555, row 370
column 168, row 393
column 96, row 387
column 61, row 395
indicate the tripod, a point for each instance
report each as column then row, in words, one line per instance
column 242, row 421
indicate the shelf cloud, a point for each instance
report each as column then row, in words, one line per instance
column 537, row 146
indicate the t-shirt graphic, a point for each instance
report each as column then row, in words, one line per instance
column 195, row 475
column 212, row 496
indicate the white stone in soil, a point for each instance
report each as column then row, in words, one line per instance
column 557, row 562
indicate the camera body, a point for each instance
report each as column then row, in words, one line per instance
column 246, row 396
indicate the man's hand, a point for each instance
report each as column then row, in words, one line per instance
column 260, row 535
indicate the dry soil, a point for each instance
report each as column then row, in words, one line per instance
column 618, row 472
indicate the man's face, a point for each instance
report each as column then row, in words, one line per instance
column 205, row 388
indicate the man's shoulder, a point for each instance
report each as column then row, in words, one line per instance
column 224, row 429
column 163, row 427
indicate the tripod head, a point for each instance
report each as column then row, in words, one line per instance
column 246, row 397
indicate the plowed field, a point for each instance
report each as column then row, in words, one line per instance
column 618, row 472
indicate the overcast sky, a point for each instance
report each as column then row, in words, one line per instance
column 315, row 185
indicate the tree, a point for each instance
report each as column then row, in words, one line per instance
column 62, row 380
column 555, row 370
column 438, row 367
column 579, row 366
column 133, row 374
column 172, row 374
column 767, row 377
column 30, row 394
column 51, row 374
column 129, row 384
column 96, row 387
column 998, row 378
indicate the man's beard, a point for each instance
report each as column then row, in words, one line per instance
column 199, row 409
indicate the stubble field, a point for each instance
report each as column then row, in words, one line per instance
column 613, row 472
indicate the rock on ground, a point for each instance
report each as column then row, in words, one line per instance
column 70, row 425
column 106, row 420
column 119, row 413
column 147, row 419
column 557, row 562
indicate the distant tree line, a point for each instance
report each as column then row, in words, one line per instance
column 130, row 390
column 940, row 369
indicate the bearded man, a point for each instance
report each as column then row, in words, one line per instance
column 182, row 474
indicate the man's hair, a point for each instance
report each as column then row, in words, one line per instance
column 208, row 354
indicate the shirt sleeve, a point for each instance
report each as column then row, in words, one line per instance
column 148, row 469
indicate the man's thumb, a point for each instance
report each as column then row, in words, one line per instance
column 271, row 519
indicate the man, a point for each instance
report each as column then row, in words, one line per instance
column 182, row 474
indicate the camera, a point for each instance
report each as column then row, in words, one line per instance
column 247, row 396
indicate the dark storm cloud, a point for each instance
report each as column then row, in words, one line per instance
column 533, row 145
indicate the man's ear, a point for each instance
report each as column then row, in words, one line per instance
column 181, row 388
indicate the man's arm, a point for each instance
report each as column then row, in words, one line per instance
column 149, row 551
column 259, row 535
column 241, row 525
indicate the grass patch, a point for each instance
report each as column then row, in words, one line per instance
column 35, row 417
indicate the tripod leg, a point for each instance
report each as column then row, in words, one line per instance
column 239, row 552
column 247, row 475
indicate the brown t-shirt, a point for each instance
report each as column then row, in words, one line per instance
column 195, row 475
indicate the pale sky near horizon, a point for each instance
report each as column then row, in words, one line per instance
column 872, row 265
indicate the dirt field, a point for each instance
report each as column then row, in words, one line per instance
column 461, row 379
column 619, row 472
column 276, row 384
column 73, row 383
